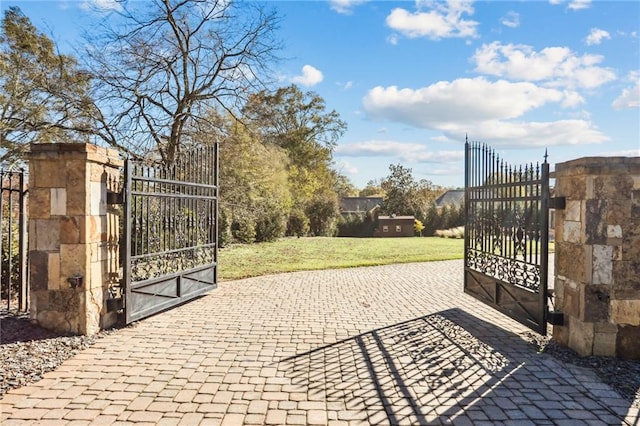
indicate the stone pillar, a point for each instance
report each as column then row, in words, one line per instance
column 597, row 256
column 71, row 236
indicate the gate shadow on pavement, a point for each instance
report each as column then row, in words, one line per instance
column 447, row 367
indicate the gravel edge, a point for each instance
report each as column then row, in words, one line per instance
column 28, row 351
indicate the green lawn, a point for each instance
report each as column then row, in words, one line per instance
column 304, row 254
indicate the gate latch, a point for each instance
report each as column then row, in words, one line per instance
column 558, row 203
column 114, row 197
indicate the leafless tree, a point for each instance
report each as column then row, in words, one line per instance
column 159, row 70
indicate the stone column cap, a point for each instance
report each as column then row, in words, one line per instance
column 597, row 165
column 88, row 151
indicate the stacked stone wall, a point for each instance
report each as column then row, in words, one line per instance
column 597, row 243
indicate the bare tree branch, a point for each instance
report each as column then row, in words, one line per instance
column 162, row 68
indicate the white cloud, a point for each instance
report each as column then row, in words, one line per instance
column 579, row 4
column 487, row 110
column 623, row 153
column 452, row 170
column 511, row 20
column 102, row 5
column 462, row 101
column 442, row 20
column 553, row 66
column 378, row 148
column 572, row 99
column 348, row 85
column 348, row 168
column 573, row 4
column 531, row 134
column 436, row 157
column 596, row 36
column 345, row 7
column 629, row 98
column 405, row 151
column 310, row 76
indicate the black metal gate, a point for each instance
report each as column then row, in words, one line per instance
column 170, row 232
column 507, row 235
column 13, row 240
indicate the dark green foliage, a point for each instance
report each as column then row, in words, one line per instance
column 445, row 218
column 224, row 228
column 354, row 225
column 10, row 243
column 244, row 231
column 44, row 96
column 270, row 226
column 298, row 224
column 323, row 216
column 400, row 189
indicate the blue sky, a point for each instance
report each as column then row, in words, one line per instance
column 411, row 79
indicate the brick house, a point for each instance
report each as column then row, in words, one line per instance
column 395, row 226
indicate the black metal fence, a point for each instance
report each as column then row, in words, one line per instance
column 13, row 240
column 170, row 231
column 507, row 235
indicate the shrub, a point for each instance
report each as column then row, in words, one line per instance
column 224, row 228
column 457, row 232
column 298, row 224
column 270, row 227
column 244, row 231
column 323, row 216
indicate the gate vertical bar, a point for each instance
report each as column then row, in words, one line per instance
column 2, row 222
column 23, row 303
column 467, row 206
column 544, row 240
column 216, row 151
column 10, row 245
column 126, row 228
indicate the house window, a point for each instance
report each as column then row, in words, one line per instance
column 398, row 228
column 385, row 228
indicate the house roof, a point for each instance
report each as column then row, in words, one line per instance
column 396, row 217
column 359, row 204
column 453, row 197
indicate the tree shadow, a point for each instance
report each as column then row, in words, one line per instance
column 449, row 367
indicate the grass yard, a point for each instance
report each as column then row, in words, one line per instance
column 304, row 254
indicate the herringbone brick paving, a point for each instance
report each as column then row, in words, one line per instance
column 390, row 345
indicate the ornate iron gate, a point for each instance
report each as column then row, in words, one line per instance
column 13, row 239
column 170, row 232
column 507, row 235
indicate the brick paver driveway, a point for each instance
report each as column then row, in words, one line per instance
column 393, row 345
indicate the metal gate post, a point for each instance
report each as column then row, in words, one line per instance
column 23, row 299
column 544, row 241
column 467, row 204
column 126, row 229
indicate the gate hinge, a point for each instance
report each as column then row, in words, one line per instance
column 558, row 203
column 115, row 197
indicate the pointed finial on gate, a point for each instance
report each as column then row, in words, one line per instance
column 546, row 155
